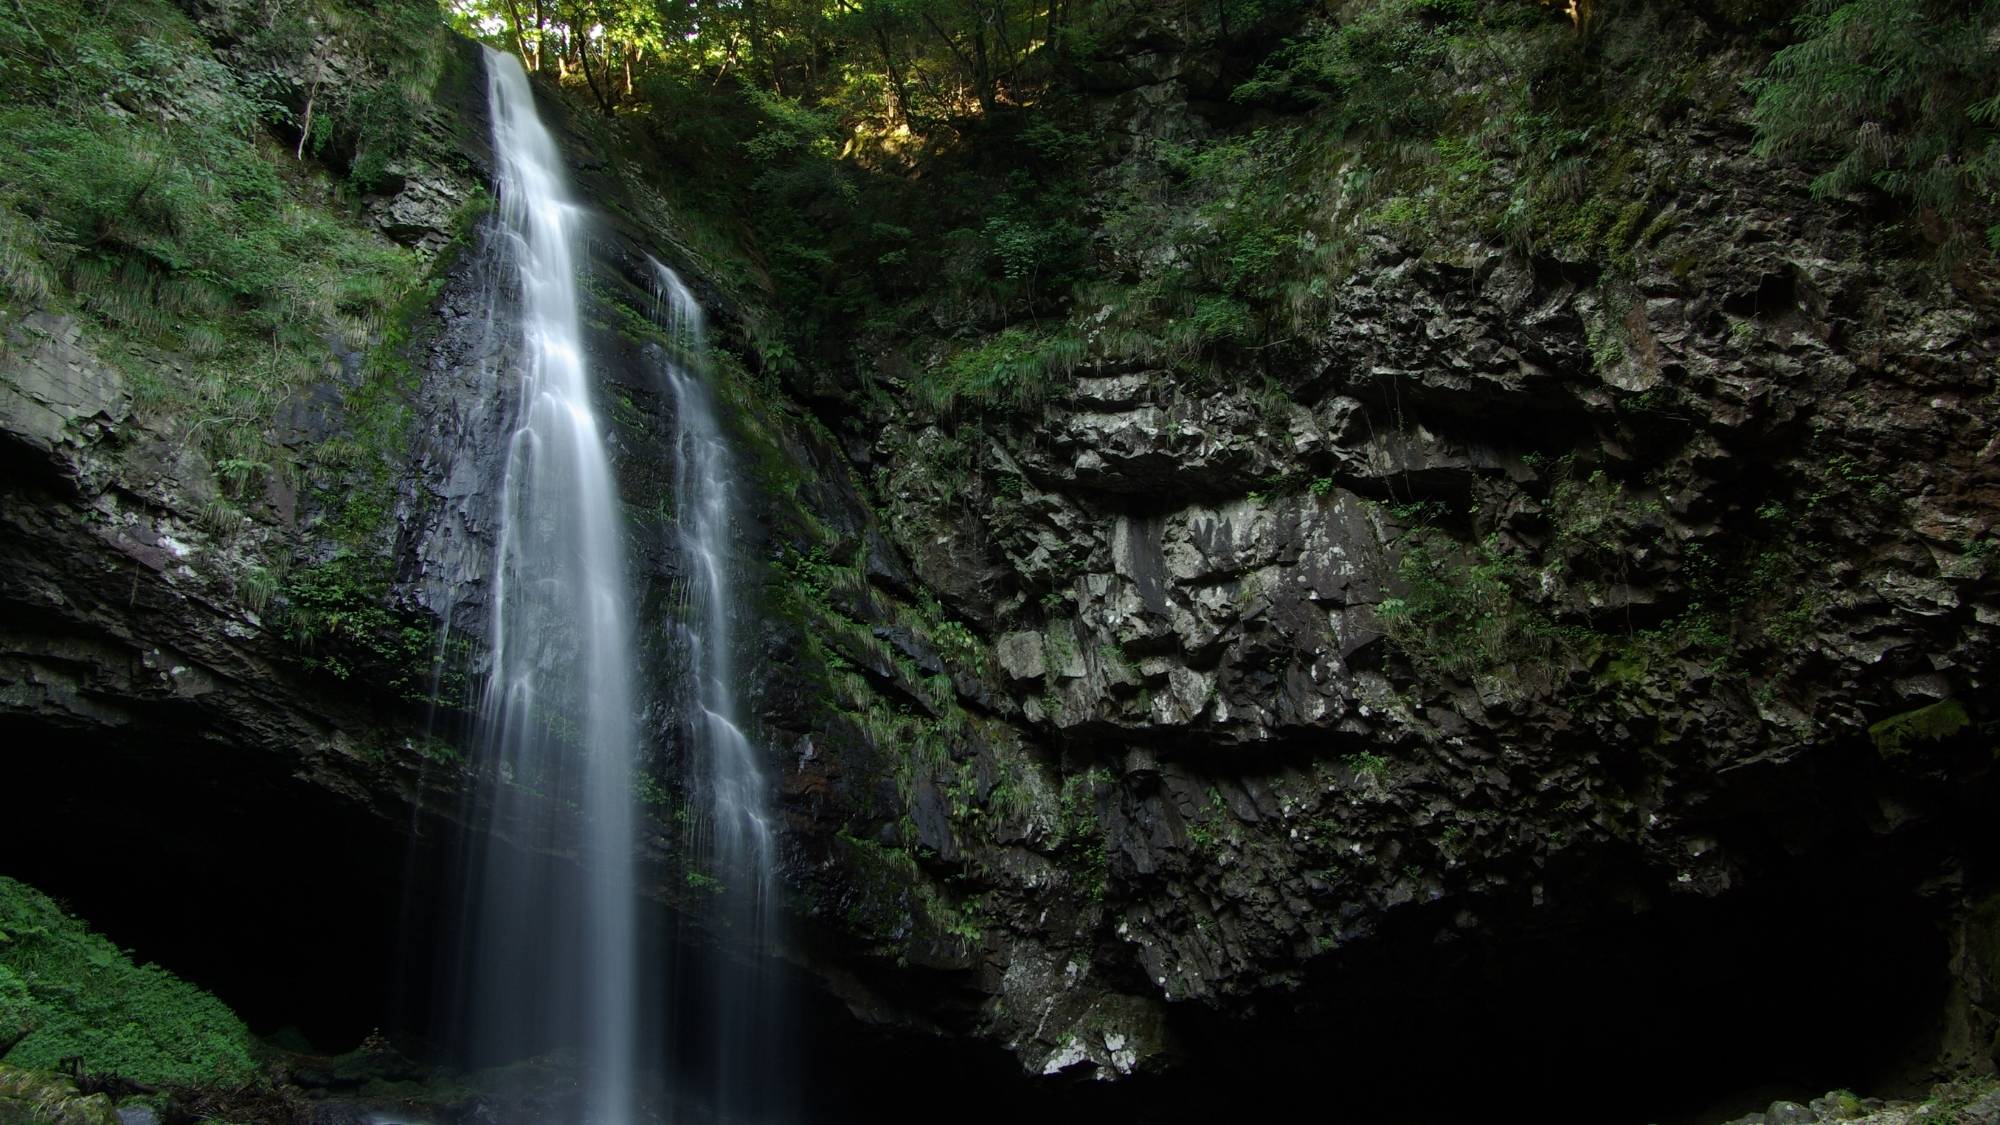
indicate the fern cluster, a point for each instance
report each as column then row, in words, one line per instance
column 67, row 992
column 1900, row 95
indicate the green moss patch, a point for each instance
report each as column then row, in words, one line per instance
column 74, row 994
column 1899, row 734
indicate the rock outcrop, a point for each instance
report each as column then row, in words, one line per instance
column 1538, row 589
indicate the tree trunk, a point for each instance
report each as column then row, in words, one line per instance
column 899, row 94
column 974, row 69
column 520, row 40
column 759, row 60
column 982, row 70
column 312, row 96
column 541, row 40
column 589, row 76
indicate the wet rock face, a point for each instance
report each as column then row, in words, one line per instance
column 449, row 498
column 172, row 757
column 124, row 599
column 1484, row 629
column 146, row 588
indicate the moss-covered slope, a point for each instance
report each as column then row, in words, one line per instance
column 67, row 992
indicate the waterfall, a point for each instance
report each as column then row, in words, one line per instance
column 551, row 957
column 552, row 947
column 730, row 843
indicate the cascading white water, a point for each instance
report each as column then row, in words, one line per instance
column 732, row 784
column 552, row 955
column 732, row 844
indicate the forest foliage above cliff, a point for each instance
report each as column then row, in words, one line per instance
column 884, row 166
column 897, row 167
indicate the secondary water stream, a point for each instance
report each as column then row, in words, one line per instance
column 729, row 844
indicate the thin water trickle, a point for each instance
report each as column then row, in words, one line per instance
column 552, row 951
column 731, row 845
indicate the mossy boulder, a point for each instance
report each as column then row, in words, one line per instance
column 32, row 1098
column 1901, row 734
column 70, row 993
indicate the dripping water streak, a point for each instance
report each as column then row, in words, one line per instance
column 734, row 835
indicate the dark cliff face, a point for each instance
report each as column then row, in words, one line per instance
column 1526, row 630
column 1531, row 676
